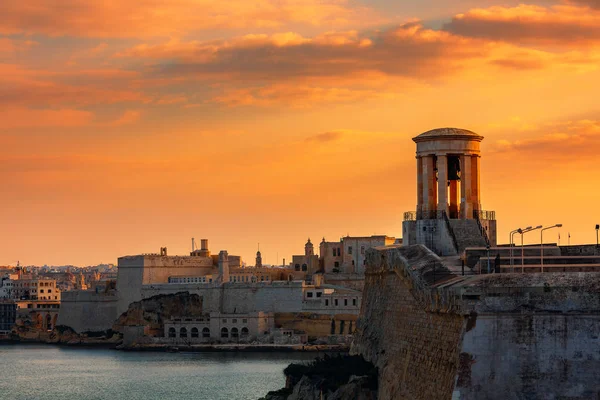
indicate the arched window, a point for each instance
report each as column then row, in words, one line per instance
column 224, row 333
column 245, row 332
column 195, row 332
column 297, row 267
column 234, row 333
column 333, row 326
column 183, row 332
column 48, row 322
column 172, row 332
column 205, row 333
column 304, row 267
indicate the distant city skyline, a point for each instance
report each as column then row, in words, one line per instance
column 275, row 121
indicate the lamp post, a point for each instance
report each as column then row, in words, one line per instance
column 523, row 232
column 597, row 229
column 512, row 243
column 542, row 243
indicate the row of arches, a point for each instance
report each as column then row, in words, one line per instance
column 235, row 334
column 194, row 333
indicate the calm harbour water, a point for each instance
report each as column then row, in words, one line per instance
column 51, row 372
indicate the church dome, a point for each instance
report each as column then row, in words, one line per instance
column 448, row 133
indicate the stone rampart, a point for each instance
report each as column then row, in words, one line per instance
column 85, row 311
column 503, row 336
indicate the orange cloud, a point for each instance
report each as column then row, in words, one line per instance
column 558, row 140
column 128, row 117
column 295, row 95
column 406, row 50
column 14, row 118
column 149, row 18
column 560, row 24
column 12, row 46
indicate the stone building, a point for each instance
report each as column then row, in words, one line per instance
column 35, row 289
column 449, row 217
column 348, row 255
column 307, row 263
column 218, row 327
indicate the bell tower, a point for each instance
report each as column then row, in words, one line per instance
column 448, row 190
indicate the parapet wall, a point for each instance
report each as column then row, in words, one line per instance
column 505, row 336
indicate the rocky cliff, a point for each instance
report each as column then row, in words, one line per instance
column 151, row 313
column 339, row 377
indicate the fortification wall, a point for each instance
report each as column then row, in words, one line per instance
column 416, row 351
column 85, row 311
column 238, row 297
column 503, row 336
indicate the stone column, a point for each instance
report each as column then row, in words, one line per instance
column 429, row 189
column 454, row 199
column 475, row 189
column 420, row 194
column 442, row 165
column 466, row 183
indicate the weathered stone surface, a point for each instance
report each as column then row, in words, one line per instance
column 152, row 312
column 306, row 389
column 416, row 351
column 504, row 336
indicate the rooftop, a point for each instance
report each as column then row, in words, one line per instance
column 448, row 133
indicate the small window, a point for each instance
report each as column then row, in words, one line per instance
column 234, row 321
column 224, row 333
column 336, row 302
column 353, row 302
column 172, row 332
column 349, row 249
column 224, row 320
column 41, row 290
column 297, row 267
column 304, row 267
column 334, row 252
column 362, row 250
column 183, row 333
column 244, row 321
column 195, row 332
column 319, row 294
column 326, row 302
column 205, row 333
column 309, row 294
column 345, row 302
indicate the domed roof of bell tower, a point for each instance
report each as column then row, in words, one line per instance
column 448, row 133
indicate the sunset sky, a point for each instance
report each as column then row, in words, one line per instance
column 124, row 128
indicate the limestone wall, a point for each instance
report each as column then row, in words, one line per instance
column 87, row 311
column 416, row 351
column 499, row 336
column 539, row 356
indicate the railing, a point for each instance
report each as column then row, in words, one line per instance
column 481, row 228
column 450, row 230
column 437, row 214
column 410, row 216
column 484, row 215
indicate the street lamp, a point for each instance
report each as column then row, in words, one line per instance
column 512, row 243
column 542, row 243
column 524, row 231
column 597, row 229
